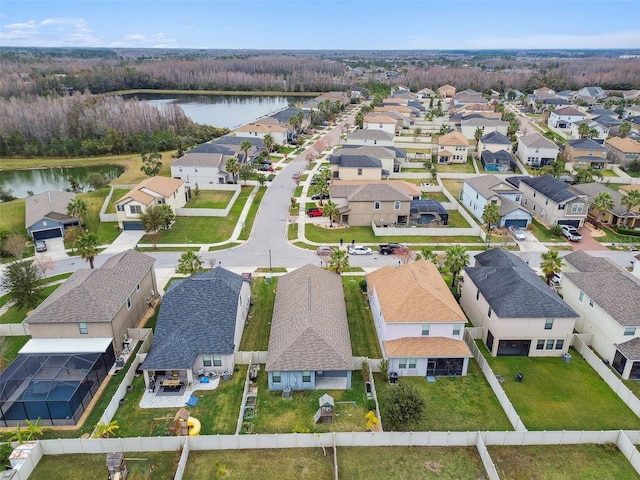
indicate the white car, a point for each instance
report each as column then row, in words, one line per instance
column 571, row 233
column 359, row 250
column 517, row 233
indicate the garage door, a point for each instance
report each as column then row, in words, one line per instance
column 573, row 223
column 132, row 226
column 516, row 223
column 46, row 234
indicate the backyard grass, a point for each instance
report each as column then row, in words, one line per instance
column 364, row 340
column 107, row 232
column 12, row 345
column 255, row 336
column 437, row 196
column 17, row 315
column 542, row 233
column 453, row 186
column 456, row 220
column 146, row 466
column 118, row 193
column 251, row 215
column 275, row 414
column 365, row 235
column 281, row 464
column 418, row 463
column 560, row 462
column 210, row 199
column 12, row 216
column 204, row 229
column 453, row 403
column 561, row 396
column 466, row 167
column 608, row 173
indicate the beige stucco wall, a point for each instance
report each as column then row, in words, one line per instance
column 547, row 212
column 363, row 213
column 175, row 201
column 347, row 173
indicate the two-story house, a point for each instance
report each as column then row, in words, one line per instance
column 617, row 214
column 622, row 151
column 356, row 167
column 203, row 165
column 279, row 133
column 552, row 201
column 494, row 142
column 453, row 148
column 366, row 136
column 585, row 152
column 469, row 126
column 420, row 325
column 596, row 93
column 478, row 191
column 565, row 117
column 391, row 157
column 378, row 121
column 520, row 315
column 537, row 151
column 600, row 131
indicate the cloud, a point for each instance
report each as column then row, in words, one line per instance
column 50, row 32
column 29, row 24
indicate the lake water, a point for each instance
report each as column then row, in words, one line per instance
column 57, row 178
column 229, row 111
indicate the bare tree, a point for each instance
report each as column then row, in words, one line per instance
column 15, row 245
column 44, row 263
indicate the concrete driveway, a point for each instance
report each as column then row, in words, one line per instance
column 531, row 243
column 55, row 249
column 127, row 240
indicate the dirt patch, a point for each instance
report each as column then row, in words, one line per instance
column 433, row 466
column 593, row 231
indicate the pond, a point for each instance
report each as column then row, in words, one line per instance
column 229, row 111
column 40, row 180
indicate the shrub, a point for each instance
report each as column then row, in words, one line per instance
column 556, row 230
column 628, row 231
column 404, row 407
column 363, row 285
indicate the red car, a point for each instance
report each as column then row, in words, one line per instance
column 314, row 212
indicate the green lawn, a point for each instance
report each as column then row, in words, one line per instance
column 364, row 340
column 453, row 186
column 456, row 220
column 118, row 193
column 17, row 315
column 292, row 231
column 561, row 396
column 251, row 215
column 416, row 463
column 466, row 167
column 437, row 196
column 542, row 233
column 255, row 336
column 609, row 173
column 12, row 216
column 453, row 403
column 614, row 237
column 13, row 344
column 561, row 462
column 204, row 229
column 210, row 199
column 365, row 235
column 107, row 232
column 298, row 191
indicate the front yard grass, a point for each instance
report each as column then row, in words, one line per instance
column 560, row 462
column 210, row 199
column 561, row 396
column 542, row 233
column 365, row 235
column 17, row 315
column 364, row 340
column 453, row 403
column 255, row 336
column 251, row 215
column 399, row 463
column 614, row 237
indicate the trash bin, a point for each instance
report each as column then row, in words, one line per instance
column 119, row 362
column 566, row 357
column 286, row 392
column 226, row 375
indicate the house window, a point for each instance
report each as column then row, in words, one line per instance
column 534, row 207
column 456, row 329
column 179, row 169
column 195, row 169
column 561, row 206
column 478, row 294
column 591, row 303
column 546, row 202
column 425, row 329
column 396, row 205
column 559, row 344
column 548, row 324
column 494, row 202
column 550, row 343
column 217, row 361
column 581, row 296
column 359, row 171
column 275, row 377
column 161, row 201
column 402, row 363
column 306, row 377
column 517, row 198
column 577, row 207
column 120, row 208
column 413, row 363
column 376, row 205
column 540, row 345
column 138, row 288
column 207, row 360
column 82, row 328
column 534, row 194
column 628, row 331
column 129, row 303
column 489, row 313
column 135, row 209
column 526, row 201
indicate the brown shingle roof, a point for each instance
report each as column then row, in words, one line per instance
column 453, row 138
column 408, row 188
column 626, row 144
column 414, row 292
column 432, row 347
column 39, row 206
column 164, row 186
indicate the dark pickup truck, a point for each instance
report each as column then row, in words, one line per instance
column 389, row 248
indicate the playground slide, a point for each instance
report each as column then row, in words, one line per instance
column 194, row 426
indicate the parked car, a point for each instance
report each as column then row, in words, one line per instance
column 359, row 250
column 518, row 233
column 41, row 246
column 264, row 167
column 314, row 212
column 266, row 161
column 571, row 233
column 324, row 250
column 390, row 248
column 325, row 196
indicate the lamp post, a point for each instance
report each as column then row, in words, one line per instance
column 270, row 269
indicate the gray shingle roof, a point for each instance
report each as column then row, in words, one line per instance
column 513, row 290
column 373, row 150
column 630, row 348
column 495, row 138
column 40, row 206
column 489, row 185
column 211, row 148
column 371, row 192
column 200, row 160
column 586, row 144
column 535, row 140
column 370, row 134
column 550, row 187
column 355, row 161
column 94, row 295
column 309, row 329
column 197, row 316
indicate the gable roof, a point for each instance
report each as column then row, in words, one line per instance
column 376, row 151
column 369, row 192
column 586, row 144
column 370, row 134
column 483, row 122
column 197, row 316
column 490, row 185
column 379, row 118
column 309, row 329
column 261, row 127
column 625, row 145
column 203, row 160
column 410, row 189
column 535, row 140
column 432, row 347
column 512, row 289
column 495, row 138
column 44, row 204
column 163, row 186
column 94, row 295
column 550, row 187
column 283, row 116
column 614, row 289
column 453, row 138
column 569, row 111
column 414, row 293
column 212, row 148
column 355, row 161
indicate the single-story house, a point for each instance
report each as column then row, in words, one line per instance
column 46, row 215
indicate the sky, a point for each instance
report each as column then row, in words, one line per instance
column 322, row 24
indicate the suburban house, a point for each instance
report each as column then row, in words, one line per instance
column 615, row 216
column 494, row 142
column 99, row 303
column 279, row 133
column 500, row 161
column 46, row 214
column 420, row 325
column 592, row 92
column 425, row 93
column 478, row 191
column 201, row 167
column 283, row 117
column 453, row 148
column 520, row 315
column 622, row 151
column 406, row 110
column 391, row 157
column 607, row 298
column 232, row 144
column 552, row 201
column 565, row 117
column 536, row 150
column 486, row 125
column 356, row 167
column 200, row 325
column 601, row 130
column 382, row 203
column 150, row 192
column 447, row 91
column 375, row 121
column 585, row 152
column 309, row 343
column 366, row 136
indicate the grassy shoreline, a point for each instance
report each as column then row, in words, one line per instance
column 215, row 92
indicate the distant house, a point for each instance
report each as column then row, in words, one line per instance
column 391, row 157
column 452, row 148
column 447, row 91
column 607, row 298
column 99, row 303
column 309, row 343
column 382, row 122
column 232, row 145
column 356, row 167
column 486, row 125
column 150, row 192
column 596, row 93
column 586, row 152
column 46, row 215
column 202, row 168
column 552, row 201
column 601, row 130
column 494, row 142
column 425, row 93
column 536, row 150
column 615, row 216
column 565, row 117
column 622, row 151
column 200, row 325
column 279, row 133
column 520, row 315
column 420, row 325
column 478, row 191
column 370, row 137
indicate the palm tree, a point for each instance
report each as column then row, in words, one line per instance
column 428, row 254
column 555, row 168
column 603, row 202
column 245, row 146
column 322, row 183
column 77, row 208
column 105, row 430
column 586, row 174
column 490, row 216
column 330, row 210
column 583, row 129
column 232, row 167
column 359, row 120
column 154, row 218
column 624, row 129
column 87, row 247
column 416, row 133
column 477, row 135
column 189, row 263
column 550, row 265
column 630, row 200
column 269, row 142
column 338, row 261
column 456, row 258
column 444, row 129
